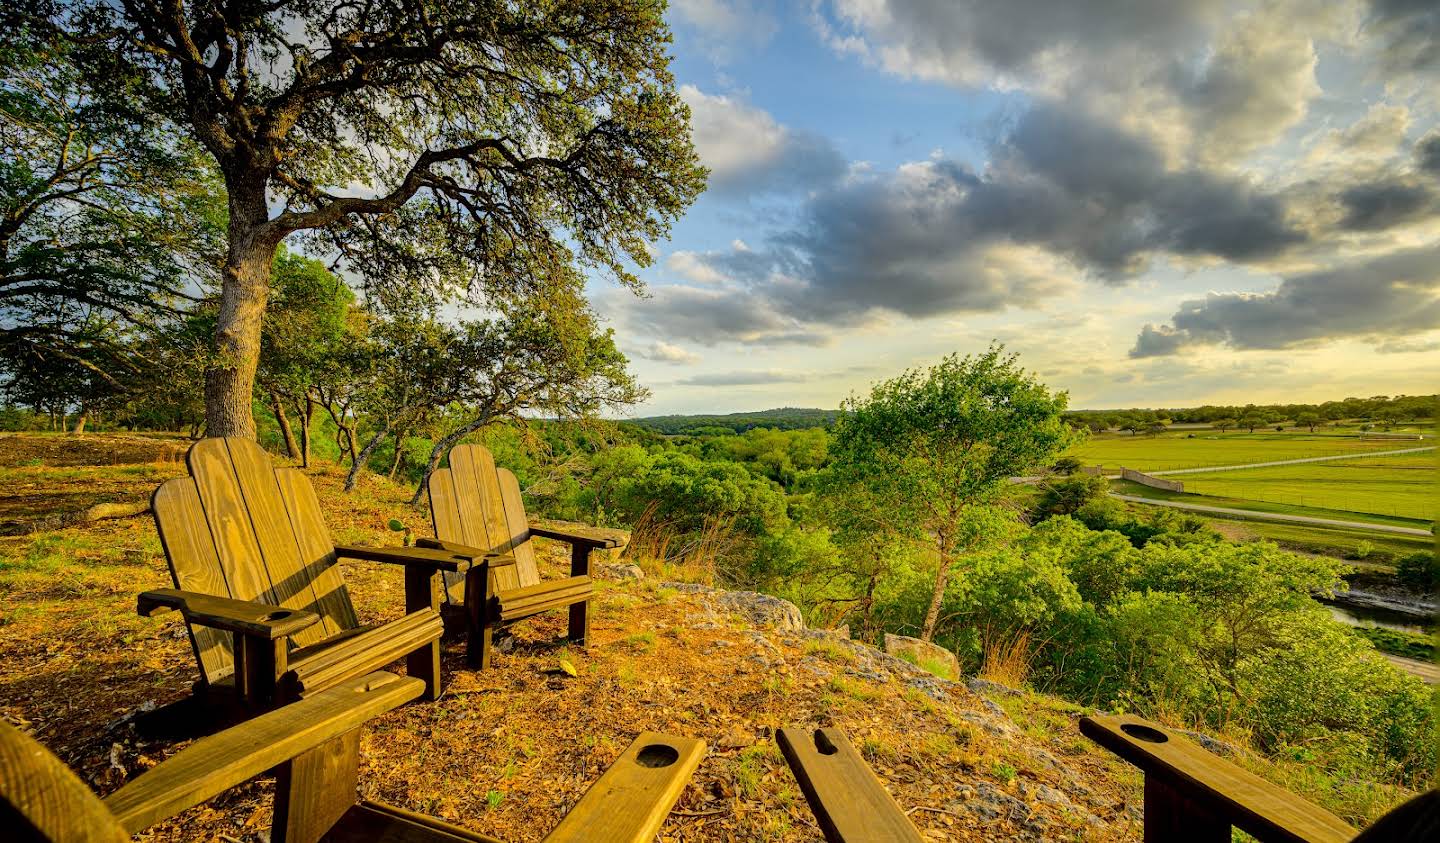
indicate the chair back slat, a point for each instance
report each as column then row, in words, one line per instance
column 445, row 516
column 291, row 581
column 240, row 528
column 43, row 801
column 317, row 552
column 518, row 527
column 468, row 505
column 194, row 566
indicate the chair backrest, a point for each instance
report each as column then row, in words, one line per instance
column 42, row 800
column 239, row 527
column 473, row 502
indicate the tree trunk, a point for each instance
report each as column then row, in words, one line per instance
column 442, row 446
column 363, row 457
column 399, row 444
column 278, row 406
column 230, row 383
column 80, row 422
column 307, row 412
column 937, row 596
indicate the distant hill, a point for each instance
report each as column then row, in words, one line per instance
column 783, row 418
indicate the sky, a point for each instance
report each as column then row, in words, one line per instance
column 1152, row 203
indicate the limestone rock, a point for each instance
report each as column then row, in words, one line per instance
column 923, row 652
column 621, row 571
column 761, row 610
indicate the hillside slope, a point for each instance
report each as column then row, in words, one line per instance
column 508, row 750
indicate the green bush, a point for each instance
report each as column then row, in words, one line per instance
column 1420, row 571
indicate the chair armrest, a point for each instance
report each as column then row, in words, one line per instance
column 496, row 560
column 848, row 801
column 216, row 763
column 632, row 799
column 570, row 535
column 424, row 557
column 1213, row 790
column 260, row 620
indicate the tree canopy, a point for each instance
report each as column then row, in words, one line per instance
column 483, row 149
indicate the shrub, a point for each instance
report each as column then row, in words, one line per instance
column 1420, row 571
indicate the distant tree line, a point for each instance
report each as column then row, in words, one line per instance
column 784, row 418
column 1381, row 410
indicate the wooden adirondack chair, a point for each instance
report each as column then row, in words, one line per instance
column 314, row 747
column 1195, row 796
column 476, row 508
column 269, row 615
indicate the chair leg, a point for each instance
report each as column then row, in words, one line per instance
column 314, row 789
column 478, row 632
column 579, row 612
column 422, row 591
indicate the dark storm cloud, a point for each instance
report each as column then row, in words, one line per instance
column 1427, row 153
column 1374, row 207
column 709, row 316
column 1409, row 33
column 963, row 39
column 1387, row 297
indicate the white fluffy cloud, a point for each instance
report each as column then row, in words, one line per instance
column 749, row 152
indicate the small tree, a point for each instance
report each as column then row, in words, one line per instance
column 931, row 444
column 1251, row 422
column 1310, row 420
column 1223, row 425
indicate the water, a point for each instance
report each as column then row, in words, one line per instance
column 1357, row 616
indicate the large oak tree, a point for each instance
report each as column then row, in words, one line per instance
column 433, row 146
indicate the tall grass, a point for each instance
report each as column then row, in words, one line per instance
column 662, row 550
column 1006, row 659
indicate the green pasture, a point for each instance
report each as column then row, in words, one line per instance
column 1402, row 486
column 1178, row 450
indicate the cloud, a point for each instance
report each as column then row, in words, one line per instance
column 749, row 153
column 1386, row 204
column 1386, row 297
column 1427, row 153
column 1409, row 32
column 743, row 378
column 972, row 42
column 709, row 316
column 664, row 352
column 1257, row 83
column 1408, row 346
column 727, row 25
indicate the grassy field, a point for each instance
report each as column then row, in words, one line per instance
column 1403, row 486
column 1176, row 450
column 1125, row 487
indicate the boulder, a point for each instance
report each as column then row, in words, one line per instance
column 923, row 653
column 761, row 610
column 621, row 571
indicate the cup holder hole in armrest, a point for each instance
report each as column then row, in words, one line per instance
column 657, row 755
column 1144, row 733
column 277, row 616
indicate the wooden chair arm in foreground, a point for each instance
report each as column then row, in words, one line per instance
column 1195, row 796
column 849, row 802
column 314, row 747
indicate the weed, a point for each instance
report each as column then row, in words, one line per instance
column 831, row 651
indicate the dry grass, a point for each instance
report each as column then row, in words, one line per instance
column 1007, row 660
column 507, row 751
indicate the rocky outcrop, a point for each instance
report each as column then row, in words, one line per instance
column 761, row 610
column 938, row 659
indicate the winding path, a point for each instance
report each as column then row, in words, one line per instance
column 1350, row 456
column 1250, row 514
